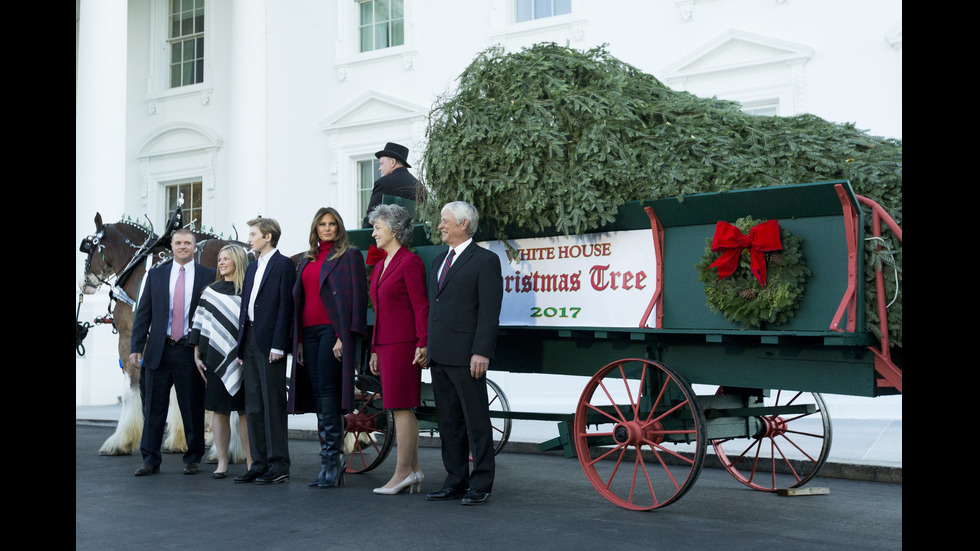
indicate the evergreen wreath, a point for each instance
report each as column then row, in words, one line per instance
column 740, row 297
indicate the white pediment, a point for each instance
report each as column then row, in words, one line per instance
column 370, row 109
column 177, row 138
column 736, row 51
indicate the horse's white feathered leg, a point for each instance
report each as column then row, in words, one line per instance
column 174, row 441
column 364, row 439
column 236, row 448
column 129, row 429
column 349, row 440
column 210, row 456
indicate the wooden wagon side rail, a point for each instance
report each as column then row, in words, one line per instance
column 884, row 365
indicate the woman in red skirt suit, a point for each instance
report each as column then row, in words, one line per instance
column 398, row 347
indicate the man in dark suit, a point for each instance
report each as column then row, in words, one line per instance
column 263, row 338
column 395, row 178
column 465, row 292
column 159, row 344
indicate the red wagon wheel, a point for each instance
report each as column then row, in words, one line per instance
column 640, row 434
column 786, row 449
column 369, row 429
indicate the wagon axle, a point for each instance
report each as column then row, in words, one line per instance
column 637, row 433
column 771, row 426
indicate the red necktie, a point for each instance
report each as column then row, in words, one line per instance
column 445, row 267
column 177, row 324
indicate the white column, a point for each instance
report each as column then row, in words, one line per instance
column 248, row 132
column 100, row 114
column 100, row 169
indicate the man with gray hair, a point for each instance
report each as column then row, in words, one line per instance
column 465, row 293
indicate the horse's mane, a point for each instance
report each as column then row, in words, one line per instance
column 139, row 226
column 198, row 232
column 142, row 230
column 147, row 232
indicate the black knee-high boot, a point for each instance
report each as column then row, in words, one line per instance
column 333, row 438
column 321, row 433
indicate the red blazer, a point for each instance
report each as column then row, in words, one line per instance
column 401, row 307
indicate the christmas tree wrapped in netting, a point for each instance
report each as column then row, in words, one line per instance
column 555, row 139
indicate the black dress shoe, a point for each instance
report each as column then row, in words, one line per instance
column 445, row 494
column 475, row 497
column 250, row 476
column 192, row 468
column 147, row 469
column 272, row 477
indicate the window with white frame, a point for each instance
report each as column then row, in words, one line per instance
column 192, row 206
column 367, row 173
column 537, row 9
column 382, row 24
column 186, row 41
column 766, row 108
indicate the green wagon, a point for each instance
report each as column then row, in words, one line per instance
column 627, row 308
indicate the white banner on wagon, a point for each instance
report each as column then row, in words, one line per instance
column 603, row 279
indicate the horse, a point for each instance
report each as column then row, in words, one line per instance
column 125, row 251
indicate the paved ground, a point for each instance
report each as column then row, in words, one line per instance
column 543, row 501
column 862, row 449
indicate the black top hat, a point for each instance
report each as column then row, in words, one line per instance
column 395, row 151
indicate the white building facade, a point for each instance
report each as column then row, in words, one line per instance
column 276, row 107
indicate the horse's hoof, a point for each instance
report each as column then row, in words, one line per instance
column 108, row 453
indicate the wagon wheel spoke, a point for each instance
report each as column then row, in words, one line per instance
column 666, row 468
column 501, row 425
column 612, row 401
column 639, row 434
column 370, row 427
column 785, row 448
column 800, row 446
column 683, row 459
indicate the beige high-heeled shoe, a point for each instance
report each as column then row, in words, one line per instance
column 409, row 482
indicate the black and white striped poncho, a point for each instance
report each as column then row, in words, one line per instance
column 215, row 332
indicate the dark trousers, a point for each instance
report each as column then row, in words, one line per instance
column 322, row 366
column 177, row 370
column 265, row 407
column 463, row 415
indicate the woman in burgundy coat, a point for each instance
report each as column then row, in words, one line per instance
column 330, row 298
column 399, row 344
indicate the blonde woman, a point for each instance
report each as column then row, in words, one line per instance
column 214, row 336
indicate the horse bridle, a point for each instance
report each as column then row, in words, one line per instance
column 89, row 246
column 93, row 243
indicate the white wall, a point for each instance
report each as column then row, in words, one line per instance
column 277, row 125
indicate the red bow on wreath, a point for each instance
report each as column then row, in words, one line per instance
column 730, row 242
